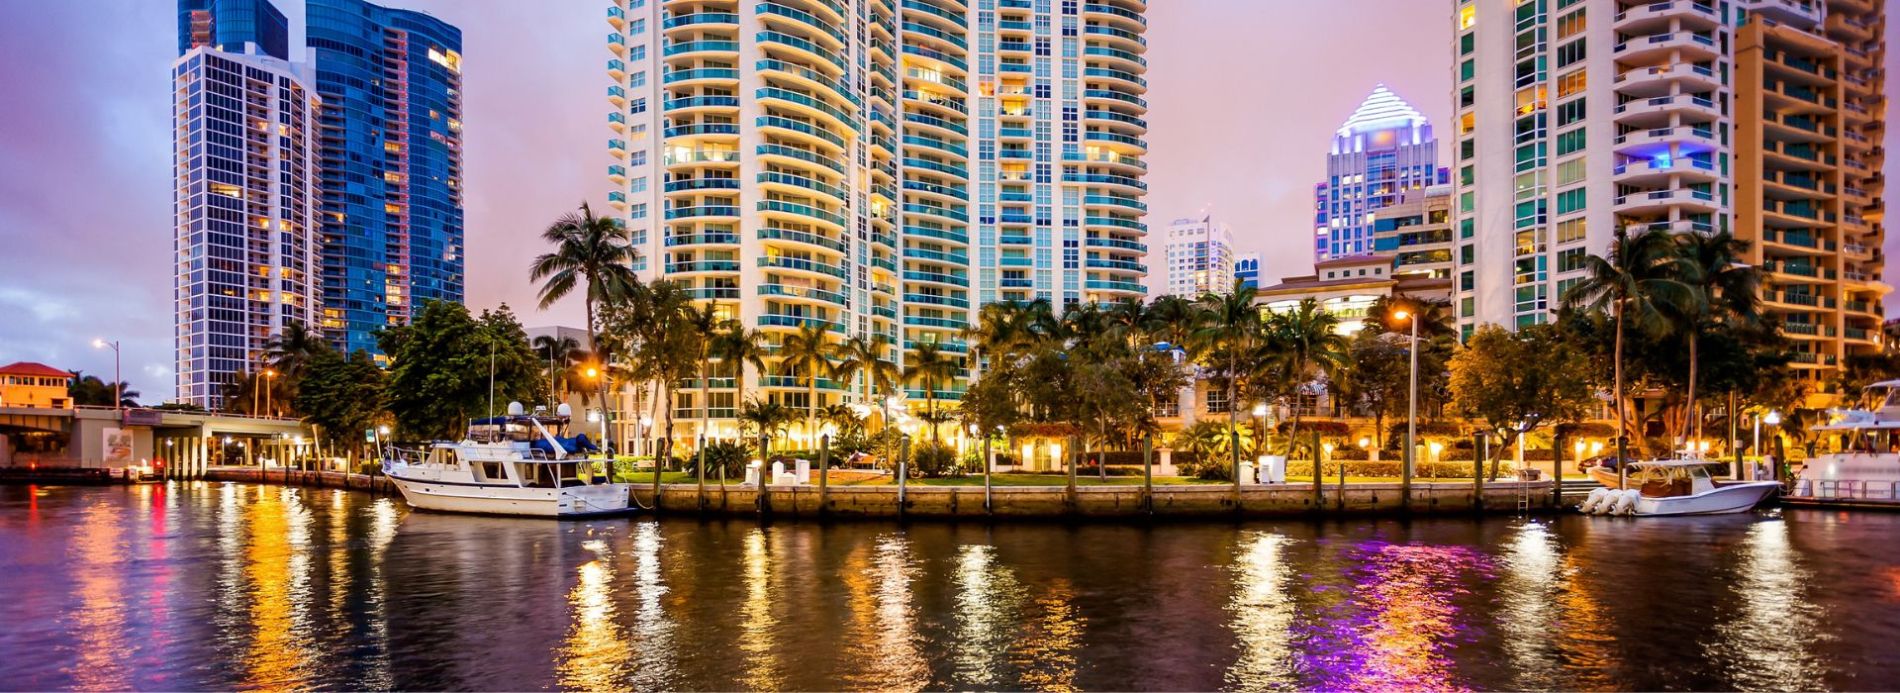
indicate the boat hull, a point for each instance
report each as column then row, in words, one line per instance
column 1727, row 498
column 570, row 502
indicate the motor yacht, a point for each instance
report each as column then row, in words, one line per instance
column 510, row 465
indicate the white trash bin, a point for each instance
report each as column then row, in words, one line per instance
column 1275, row 469
column 804, row 472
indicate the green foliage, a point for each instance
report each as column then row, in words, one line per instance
column 933, row 459
column 90, row 391
column 1518, row 381
column 729, row 456
column 341, row 397
column 440, row 368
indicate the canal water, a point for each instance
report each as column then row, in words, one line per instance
column 221, row 586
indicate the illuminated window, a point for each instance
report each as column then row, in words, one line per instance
column 1570, row 83
column 1570, row 230
column 1467, row 16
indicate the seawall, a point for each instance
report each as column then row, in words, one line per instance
column 1201, row 501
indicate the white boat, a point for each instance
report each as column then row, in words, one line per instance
column 509, row 465
column 1862, row 462
column 1677, row 487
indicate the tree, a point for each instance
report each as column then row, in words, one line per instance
column 1518, row 381
column 341, row 397
column 563, row 354
column 1723, row 290
column 930, row 365
column 736, row 345
column 441, row 363
column 1375, row 377
column 591, row 249
column 1310, row 348
column 1229, row 326
column 767, row 419
column 808, row 351
column 90, row 391
column 1634, row 283
column 1434, row 319
column 866, row 357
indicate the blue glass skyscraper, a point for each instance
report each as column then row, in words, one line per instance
column 227, row 25
column 391, row 130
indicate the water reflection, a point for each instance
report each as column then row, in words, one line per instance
column 596, row 652
column 988, row 605
column 217, row 586
column 1262, row 612
column 1405, row 595
column 100, row 619
column 757, row 653
column 278, row 652
column 887, row 655
column 1767, row 643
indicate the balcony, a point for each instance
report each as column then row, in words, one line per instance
column 1657, row 15
column 1657, row 170
column 1687, row 44
column 1662, row 200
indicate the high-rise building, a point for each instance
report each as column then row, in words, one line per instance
column 245, row 244
column 1200, row 257
column 877, row 167
column 1810, row 198
column 1247, row 269
column 1577, row 119
column 226, row 25
column 391, row 130
column 1383, row 150
column 1416, row 233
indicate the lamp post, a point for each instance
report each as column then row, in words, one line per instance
column 593, row 373
column 1411, row 412
column 270, row 376
column 118, row 399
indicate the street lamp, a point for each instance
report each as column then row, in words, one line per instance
column 1411, row 413
column 1772, row 418
column 118, row 399
column 269, row 377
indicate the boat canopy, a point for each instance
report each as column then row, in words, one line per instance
column 569, row 444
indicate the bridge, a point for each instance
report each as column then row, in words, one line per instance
column 108, row 438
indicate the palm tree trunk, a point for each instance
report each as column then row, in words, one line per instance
column 1695, row 421
column 705, row 424
column 811, row 409
column 930, row 403
column 1616, row 400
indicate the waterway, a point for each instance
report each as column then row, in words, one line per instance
column 223, row 586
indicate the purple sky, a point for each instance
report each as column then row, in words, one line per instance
column 1244, row 94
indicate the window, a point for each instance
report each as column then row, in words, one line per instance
column 1466, row 174
column 1467, row 43
column 1570, row 171
column 1466, row 227
column 1570, row 53
column 1570, row 230
column 1570, row 83
column 1466, row 97
column 1571, row 24
column 1467, row 123
column 1570, row 112
column 1467, row 149
column 1467, row 70
column 1466, row 254
column 1467, row 16
column 1570, row 260
column 1570, row 201
column 1570, row 142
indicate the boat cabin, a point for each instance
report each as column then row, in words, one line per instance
column 1671, row 478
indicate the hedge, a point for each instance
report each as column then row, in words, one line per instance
column 1391, row 468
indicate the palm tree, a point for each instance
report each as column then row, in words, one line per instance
column 90, row 391
column 598, row 251
column 1310, row 341
column 1634, row 284
column 671, row 352
column 810, row 350
column 862, row 356
column 703, row 323
column 1230, row 325
column 929, row 364
column 1724, row 290
column 1433, row 320
column 1171, row 319
column 562, row 353
column 291, row 350
column 768, row 418
column 740, row 346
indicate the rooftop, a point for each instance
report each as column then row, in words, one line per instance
column 33, row 369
